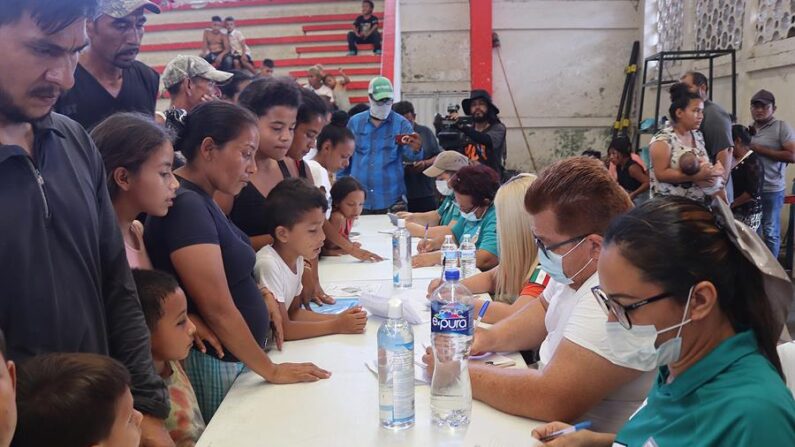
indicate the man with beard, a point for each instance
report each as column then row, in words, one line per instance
column 65, row 285
column 488, row 134
column 108, row 79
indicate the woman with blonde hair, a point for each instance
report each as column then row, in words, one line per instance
column 517, row 279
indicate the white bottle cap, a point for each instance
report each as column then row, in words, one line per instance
column 395, row 308
column 401, row 223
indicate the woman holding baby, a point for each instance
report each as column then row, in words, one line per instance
column 680, row 165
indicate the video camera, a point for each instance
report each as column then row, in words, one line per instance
column 448, row 128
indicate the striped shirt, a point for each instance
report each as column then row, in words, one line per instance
column 377, row 162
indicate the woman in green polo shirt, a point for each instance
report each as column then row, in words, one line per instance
column 682, row 294
column 474, row 188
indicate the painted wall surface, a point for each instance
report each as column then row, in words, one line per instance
column 564, row 61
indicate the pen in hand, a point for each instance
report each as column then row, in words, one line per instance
column 576, row 427
column 482, row 312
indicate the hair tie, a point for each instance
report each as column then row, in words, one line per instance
column 778, row 286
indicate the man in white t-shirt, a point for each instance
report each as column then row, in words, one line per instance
column 315, row 83
column 578, row 378
column 335, row 146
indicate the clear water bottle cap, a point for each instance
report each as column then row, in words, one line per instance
column 451, row 275
column 401, row 223
column 395, row 308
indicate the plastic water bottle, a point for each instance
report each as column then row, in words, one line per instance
column 467, row 255
column 451, row 336
column 396, row 369
column 449, row 253
column 401, row 256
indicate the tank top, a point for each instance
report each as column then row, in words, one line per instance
column 625, row 179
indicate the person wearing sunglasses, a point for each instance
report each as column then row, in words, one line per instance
column 706, row 319
column 577, row 378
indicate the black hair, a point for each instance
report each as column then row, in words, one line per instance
column 342, row 187
column 229, row 19
column 698, row 78
column 312, row 106
column 644, row 237
column 127, row 140
column 622, row 145
column 680, row 98
column 742, row 133
column 216, row 19
column 231, row 87
column 268, row 63
column 592, row 153
column 173, row 90
column 358, row 108
column 339, row 118
column 68, row 400
column 289, row 201
column 403, row 107
column 153, row 288
column 265, row 93
column 51, row 16
column 335, row 134
column 369, row 2
column 3, row 347
column 222, row 121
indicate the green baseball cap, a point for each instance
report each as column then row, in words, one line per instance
column 122, row 8
column 380, row 89
column 186, row 67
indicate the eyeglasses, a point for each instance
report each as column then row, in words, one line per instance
column 611, row 306
column 546, row 249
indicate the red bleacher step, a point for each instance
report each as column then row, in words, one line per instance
column 374, row 71
column 309, row 61
column 242, row 3
column 323, row 18
column 330, row 48
column 283, row 40
column 329, row 27
column 358, row 100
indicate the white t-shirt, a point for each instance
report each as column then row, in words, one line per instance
column 321, row 179
column 576, row 316
column 324, row 90
column 271, row 271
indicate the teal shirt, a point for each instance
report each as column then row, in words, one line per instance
column 448, row 210
column 731, row 397
column 485, row 229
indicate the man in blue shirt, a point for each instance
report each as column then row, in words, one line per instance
column 384, row 141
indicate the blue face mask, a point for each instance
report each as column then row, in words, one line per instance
column 553, row 265
column 470, row 216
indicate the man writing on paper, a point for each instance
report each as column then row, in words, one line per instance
column 578, row 377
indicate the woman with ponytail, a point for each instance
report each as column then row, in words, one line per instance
column 213, row 259
column 679, row 162
column 696, row 294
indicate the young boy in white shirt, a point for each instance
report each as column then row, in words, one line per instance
column 296, row 215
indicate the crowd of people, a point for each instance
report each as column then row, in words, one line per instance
column 151, row 258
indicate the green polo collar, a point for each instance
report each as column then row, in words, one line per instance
column 728, row 352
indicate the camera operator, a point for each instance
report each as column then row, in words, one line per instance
column 487, row 134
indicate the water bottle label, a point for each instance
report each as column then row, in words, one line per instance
column 451, row 318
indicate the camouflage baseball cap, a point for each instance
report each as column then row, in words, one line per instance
column 185, row 67
column 122, row 8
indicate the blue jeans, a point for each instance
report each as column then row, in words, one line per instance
column 770, row 230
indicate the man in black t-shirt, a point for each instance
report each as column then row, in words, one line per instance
column 108, row 79
column 365, row 30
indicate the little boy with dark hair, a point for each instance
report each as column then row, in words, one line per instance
column 295, row 211
column 75, row 400
column 166, row 312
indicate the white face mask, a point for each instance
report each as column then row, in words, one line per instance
column 635, row 348
column 443, row 188
column 380, row 111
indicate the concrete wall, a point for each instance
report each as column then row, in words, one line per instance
column 564, row 62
